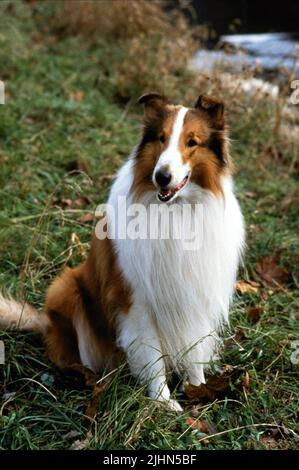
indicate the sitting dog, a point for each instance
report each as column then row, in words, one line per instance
column 159, row 299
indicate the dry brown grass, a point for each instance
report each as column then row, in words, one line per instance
column 157, row 41
column 116, row 18
column 156, row 44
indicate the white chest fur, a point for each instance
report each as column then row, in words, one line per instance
column 186, row 293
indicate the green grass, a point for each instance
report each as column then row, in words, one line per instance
column 41, row 131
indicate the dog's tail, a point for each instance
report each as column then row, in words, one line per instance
column 16, row 315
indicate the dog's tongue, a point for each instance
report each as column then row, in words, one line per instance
column 173, row 190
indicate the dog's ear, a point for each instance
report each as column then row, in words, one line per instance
column 213, row 108
column 153, row 103
column 152, row 99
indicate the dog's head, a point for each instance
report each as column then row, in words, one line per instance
column 180, row 146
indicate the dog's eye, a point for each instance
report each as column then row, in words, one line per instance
column 191, row 143
column 162, row 138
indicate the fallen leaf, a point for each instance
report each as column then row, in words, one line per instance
column 97, row 392
column 270, row 271
column 198, row 393
column 87, row 218
column 254, row 313
column 204, row 427
column 89, row 377
column 247, row 287
column 196, row 424
column 217, row 386
column 76, row 95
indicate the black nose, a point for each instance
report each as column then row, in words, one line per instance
column 163, row 177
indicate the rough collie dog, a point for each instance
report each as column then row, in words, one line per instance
column 160, row 303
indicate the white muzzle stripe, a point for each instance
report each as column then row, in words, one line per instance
column 172, row 156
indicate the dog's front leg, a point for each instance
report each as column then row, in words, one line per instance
column 139, row 339
column 194, row 365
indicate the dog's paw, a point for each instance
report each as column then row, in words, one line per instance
column 173, row 405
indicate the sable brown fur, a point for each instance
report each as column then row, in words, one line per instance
column 94, row 290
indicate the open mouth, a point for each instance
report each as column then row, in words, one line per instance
column 166, row 195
